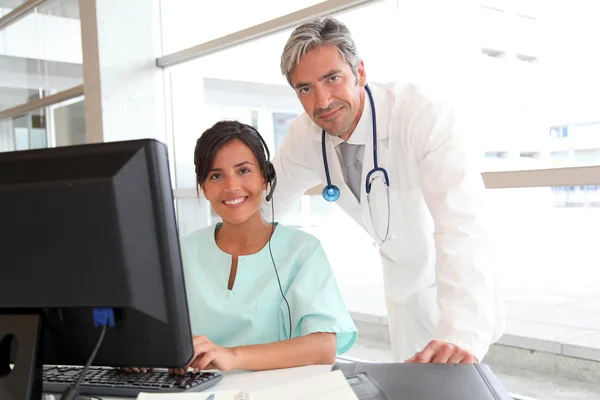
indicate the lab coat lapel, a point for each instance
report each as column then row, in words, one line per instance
column 377, row 200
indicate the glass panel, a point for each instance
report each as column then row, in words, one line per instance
column 69, row 122
column 24, row 132
column 7, row 6
column 185, row 23
column 21, row 139
column 538, row 81
column 192, row 214
column 281, row 126
column 546, row 241
column 62, row 123
column 37, row 138
column 41, row 54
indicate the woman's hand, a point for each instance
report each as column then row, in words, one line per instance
column 135, row 370
column 208, row 355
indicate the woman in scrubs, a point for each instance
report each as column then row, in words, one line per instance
column 260, row 295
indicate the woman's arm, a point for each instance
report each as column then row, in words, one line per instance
column 316, row 348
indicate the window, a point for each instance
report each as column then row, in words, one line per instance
column 29, row 131
column 546, row 240
column 186, row 23
column 559, row 131
column 40, row 54
column 281, row 126
column 61, row 124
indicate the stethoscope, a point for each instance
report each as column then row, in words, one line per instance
column 332, row 193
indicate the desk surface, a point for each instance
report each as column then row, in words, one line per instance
column 399, row 381
column 252, row 381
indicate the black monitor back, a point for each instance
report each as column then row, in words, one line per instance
column 93, row 226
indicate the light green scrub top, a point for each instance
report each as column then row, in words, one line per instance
column 254, row 311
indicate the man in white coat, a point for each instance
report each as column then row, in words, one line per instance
column 438, row 276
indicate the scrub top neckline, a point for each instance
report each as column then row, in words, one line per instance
column 264, row 248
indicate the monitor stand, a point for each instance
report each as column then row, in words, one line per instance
column 24, row 380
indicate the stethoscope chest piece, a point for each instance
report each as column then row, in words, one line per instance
column 331, row 193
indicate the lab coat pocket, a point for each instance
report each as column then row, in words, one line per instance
column 267, row 322
column 409, row 256
column 411, row 224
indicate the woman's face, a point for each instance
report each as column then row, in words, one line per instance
column 235, row 184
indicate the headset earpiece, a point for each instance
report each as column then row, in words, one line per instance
column 270, row 174
column 271, row 179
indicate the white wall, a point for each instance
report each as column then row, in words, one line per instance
column 124, row 96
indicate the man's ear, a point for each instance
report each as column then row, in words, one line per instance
column 361, row 74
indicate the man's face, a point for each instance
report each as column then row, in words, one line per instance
column 330, row 93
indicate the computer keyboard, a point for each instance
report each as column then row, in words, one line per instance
column 113, row 382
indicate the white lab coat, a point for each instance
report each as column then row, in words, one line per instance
column 438, row 272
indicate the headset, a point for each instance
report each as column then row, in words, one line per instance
column 269, row 169
column 271, row 178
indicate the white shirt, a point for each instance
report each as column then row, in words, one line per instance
column 359, row 137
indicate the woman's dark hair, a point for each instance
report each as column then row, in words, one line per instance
column 215, row 137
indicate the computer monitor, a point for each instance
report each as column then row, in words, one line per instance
column 85, row 227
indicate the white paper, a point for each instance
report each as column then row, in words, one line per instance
column 324, row 386
column 329, row 386
column 251, row 381
column 219, row 395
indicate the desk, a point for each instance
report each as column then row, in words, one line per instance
column 251, row 381
column 400, row 381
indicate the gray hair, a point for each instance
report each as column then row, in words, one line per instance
column 316, row 33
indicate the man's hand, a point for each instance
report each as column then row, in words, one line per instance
column 443, row 353
column 208, row 355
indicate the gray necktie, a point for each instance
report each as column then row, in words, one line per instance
column 350, row 160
